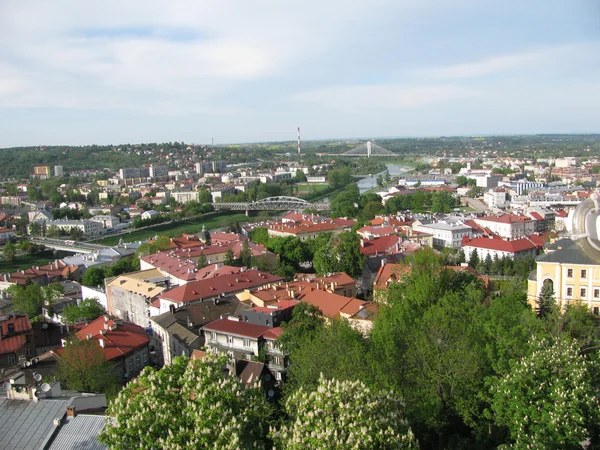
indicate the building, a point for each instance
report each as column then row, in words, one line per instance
column 185, row 196
column 445, row 234
column 6, row 235
column 508, row 226
column 150, row 214
column 496, row 198
column 125, row 344
column 88, row 228
column 16, row 340
column 58, row 171
column 107, row 222
column 211, row 289
column 41, row 172
column 246, row 335
column 574, row 277
column 309, row 229
column 129, row 297
column 177, row 332
column 496, row 247
column 337, row 283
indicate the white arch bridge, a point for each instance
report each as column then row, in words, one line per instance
column 273, row 204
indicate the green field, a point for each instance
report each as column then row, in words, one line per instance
column 26, row 261
column 210, row 221
column 307, row 188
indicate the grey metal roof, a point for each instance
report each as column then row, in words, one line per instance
column 567, row 254
column 79, row 433
column 25, row 424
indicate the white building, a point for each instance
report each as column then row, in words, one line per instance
column 87, row 227
column 96, row 293
column 445, row 234
column 150, row 214
column 106, row 221
column 508, row 226
column 495, row 198
column 185, row 196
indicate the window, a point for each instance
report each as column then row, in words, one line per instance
column 569, row 292
column 583, row 273
column 230, row 340
column 569, row 273
column 596, row 310
column 246, row 342
column 278, row 376
column 144, row 358
column 277, row 360
column 28, row 352
column 11, row 359
column 213, row 336
column 596, row 293
column 131, row 364
column 582, row 293
column 137, row 360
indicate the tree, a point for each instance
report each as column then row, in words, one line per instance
column 473, row 259
column 83, row 367
column 548, row 399
column 245, row 254
column 487, row 264
column 229, row 258
column 380, row 180
column 88, row 310
column 260, row 235
column 386, row 176
column 305, row 323
column 346, row 357
column 545, row 301
column 94, row 276
column 27, row 299
column 188, row 404
column 343, row 415
column 160, row 243
column 9, row 252
column 462, row 181
column 202, row 261
column 349, row 259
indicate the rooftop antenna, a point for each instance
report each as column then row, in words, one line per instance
column 298, row 141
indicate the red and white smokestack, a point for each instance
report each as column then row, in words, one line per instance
column 298, row 141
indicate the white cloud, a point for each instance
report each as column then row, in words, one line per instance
column 540, row 58
column 371, row 98
column 143, row 55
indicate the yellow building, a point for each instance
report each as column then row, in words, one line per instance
column 573, row 275
column 41, row 172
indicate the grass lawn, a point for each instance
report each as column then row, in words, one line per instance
column 177, row 229
column 26, row 261
column 307, row 188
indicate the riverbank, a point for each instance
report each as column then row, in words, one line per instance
column 174, row 229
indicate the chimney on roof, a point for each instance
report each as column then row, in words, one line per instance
column 71, row 411
column 88, row 337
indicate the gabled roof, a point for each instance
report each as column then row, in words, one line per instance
column 567, row 254
column 330, row 304
column 238, row 328
column 390, row 273
column 380, row 245
column 224, row 284
column 120, row 338
column 516, row 246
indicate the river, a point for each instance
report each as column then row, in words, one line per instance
column 370, row 182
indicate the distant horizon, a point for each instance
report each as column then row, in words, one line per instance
column 334, row 139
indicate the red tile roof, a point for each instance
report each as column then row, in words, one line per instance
column 224, row 284
column 380, row 246
column 120, row 338
column 392, row 273
column 273, row 333
column 10, row 344
column 516, row 246
column 237, row 328
column 330, row 304
column 505, row 218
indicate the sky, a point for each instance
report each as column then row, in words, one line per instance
column 78, row 72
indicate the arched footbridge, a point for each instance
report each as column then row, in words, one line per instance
column 272, row 204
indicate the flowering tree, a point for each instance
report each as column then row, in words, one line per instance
column 343, row 415
column 189, row 404
column 547, row 399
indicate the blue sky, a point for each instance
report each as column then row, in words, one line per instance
column 74, row 72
